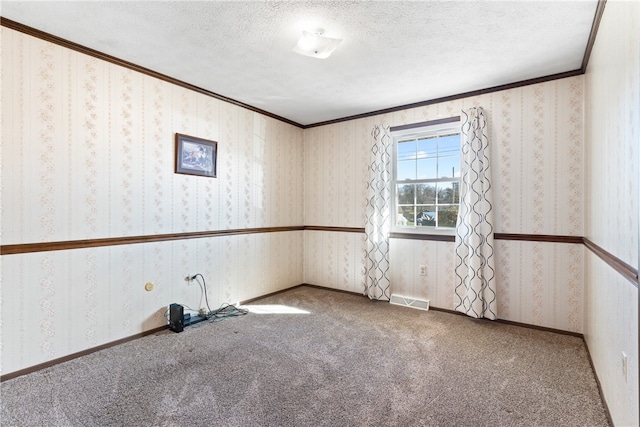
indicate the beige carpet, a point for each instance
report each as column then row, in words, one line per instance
column 314, row 357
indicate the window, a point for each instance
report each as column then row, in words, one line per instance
column 426, row 175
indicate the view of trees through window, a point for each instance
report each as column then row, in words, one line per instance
column 427, row 180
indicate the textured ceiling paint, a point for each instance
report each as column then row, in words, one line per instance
column 393, row 52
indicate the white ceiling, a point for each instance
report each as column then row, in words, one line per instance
column 393, row 53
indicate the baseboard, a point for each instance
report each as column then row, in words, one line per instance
column 595, row 374
column 250, row 300
column 72, row 356
column 342, row 291
column 63, row 359
column 539, row 328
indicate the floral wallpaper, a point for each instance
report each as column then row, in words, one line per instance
column 88, row 153
column 536, row 142
column 612, row 214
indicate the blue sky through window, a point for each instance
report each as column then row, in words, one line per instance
column 429, row 158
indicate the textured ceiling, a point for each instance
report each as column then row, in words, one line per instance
column 393, row 53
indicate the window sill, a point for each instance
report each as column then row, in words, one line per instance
column 450, row 231
column 438, row 234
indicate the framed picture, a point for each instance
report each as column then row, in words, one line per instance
column 196, row 156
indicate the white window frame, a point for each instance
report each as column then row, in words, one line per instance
column 419, row 130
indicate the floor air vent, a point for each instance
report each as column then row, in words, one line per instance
column 420, row 304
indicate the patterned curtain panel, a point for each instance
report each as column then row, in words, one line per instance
column 378, row 219
column 475, row 273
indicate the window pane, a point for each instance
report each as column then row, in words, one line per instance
column 449, row 167
column 449, row 145
column 428, row 148
column 426, row 216
column 407, row 150
column 405, row 216
column 448, row 192
column 406, row 160
column 427, row 156
column 447, row 216
column 405, row 194
column 427, row 168
column 406, row 170
column 426, row 194
column 427, row 172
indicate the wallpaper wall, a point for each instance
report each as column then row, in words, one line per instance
column 612, row 125
column 537, row 153
column 88, row 153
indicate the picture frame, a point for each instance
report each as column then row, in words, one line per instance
column 196, row 156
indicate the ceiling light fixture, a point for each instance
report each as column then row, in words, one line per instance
column 316, row 44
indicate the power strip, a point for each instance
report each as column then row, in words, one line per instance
column 192, row 320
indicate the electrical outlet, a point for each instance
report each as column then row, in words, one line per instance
column 624, row 366
column 423, row 270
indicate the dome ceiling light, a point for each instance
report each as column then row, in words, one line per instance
column 316, row 44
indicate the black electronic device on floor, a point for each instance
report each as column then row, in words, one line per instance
column 176, row 317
